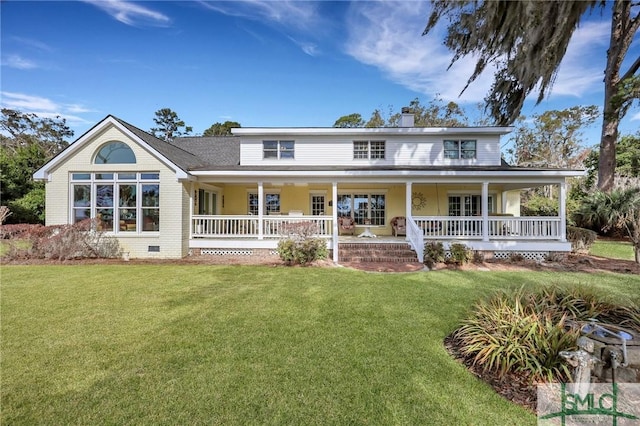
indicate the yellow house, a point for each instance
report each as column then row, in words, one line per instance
column 243, row 193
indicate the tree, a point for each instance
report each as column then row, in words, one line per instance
column 375, row 120
column 526, row 41
column 553, row 138
column 435, row 114
column 618, row 209
column 349, row 121
column 27, row 143
column 627, row 158
column 169, row 125
column 221, row 129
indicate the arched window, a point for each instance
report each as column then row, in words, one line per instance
column 115, row 153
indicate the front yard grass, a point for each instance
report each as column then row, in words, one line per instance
column 612, row 249
column 197, row 344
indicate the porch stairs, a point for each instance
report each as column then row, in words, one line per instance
column 376, row 253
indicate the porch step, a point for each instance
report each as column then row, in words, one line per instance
column 377, row 252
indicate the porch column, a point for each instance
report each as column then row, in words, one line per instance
column 191, row 192
column 408, row 199
column 563, row 211
column 485, row 211
column 504, row 202
column 260, row 210
column 334, row 221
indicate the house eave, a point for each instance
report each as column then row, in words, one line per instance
column 42, row 174
column 242, row 172
column 331, row 131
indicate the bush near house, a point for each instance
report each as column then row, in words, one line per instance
column 76, row 241
column 301, row 247
column 581, row 239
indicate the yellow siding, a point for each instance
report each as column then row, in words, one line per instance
column 174, row 223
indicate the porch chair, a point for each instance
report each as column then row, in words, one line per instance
column 399, row 225
column 346, row 225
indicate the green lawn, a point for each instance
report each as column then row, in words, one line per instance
column 612, row 249
column 196, row 344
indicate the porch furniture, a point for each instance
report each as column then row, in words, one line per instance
column 399, row 226
column 367, row 231
column 346, row 225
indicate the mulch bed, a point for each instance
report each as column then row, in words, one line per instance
column 517, row 388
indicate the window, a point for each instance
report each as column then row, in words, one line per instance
column 317, row 205
column 271, row 203
column 467, row 205
column 369, row 150
column 364, row 208
column 464, row 149
column 115, row 153
column 122, row 202
column 278, row 149
column 207, row 202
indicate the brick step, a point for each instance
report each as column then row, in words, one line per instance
column 366, row 259
column 381, row 246
column 377, row 253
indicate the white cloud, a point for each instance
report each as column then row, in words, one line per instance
column 300, row 18
column 388, row 36
column 581, row 70
column 32, row 43
column 309, row 48
column 130, row 13
column 18, row 62
column 297, row 14
column 44, row 107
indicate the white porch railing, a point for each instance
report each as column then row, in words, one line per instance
column 415, row 236
column 226, row 226
column 500, row 227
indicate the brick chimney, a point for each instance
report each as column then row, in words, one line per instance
column 406, row 118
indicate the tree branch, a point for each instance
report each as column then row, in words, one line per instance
column 632, row 69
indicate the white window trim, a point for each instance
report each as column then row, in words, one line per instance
column 369, row 150
column 459, row 150
column 279, row 149
column 115, row 181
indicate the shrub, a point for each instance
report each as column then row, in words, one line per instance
column 539, row 205
column 433, row 253
column 581, row 239
column 524, row 331
column 80, row 240
column 301, row 247
column 460, row 253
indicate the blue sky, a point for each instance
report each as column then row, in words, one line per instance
column 261, row 63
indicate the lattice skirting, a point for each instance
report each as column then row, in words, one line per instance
column 537, row 256
column 237, row 252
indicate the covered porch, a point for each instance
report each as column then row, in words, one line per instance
column 482, row 215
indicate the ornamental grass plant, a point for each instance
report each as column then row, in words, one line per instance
column 523, row 331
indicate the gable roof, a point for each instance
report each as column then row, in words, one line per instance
column 175, row 153
column 212, row 150
column 174, row 157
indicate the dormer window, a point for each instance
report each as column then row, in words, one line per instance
column 368, row 150
column 278, row 149
column 456, row 149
